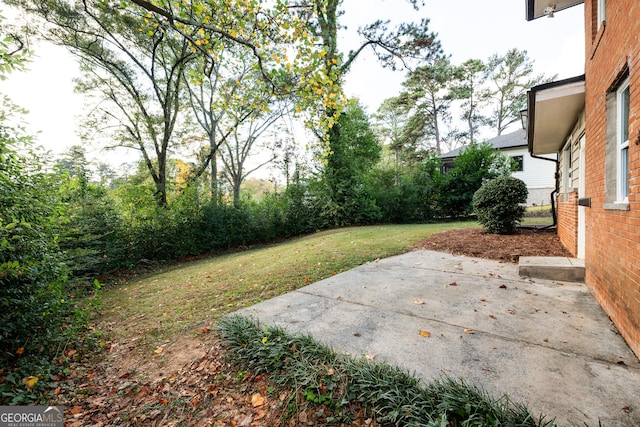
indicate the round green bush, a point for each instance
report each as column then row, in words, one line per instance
column 499, row 204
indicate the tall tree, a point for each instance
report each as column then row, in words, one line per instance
column 469, row 88
column 354, row 152
column 225, row 94
column 274, row 35
column 407, row 44
column 239, row 148
column 400, row 47
column 510, row 76
column 136, row 74
column 389, row 123
column 429, row 98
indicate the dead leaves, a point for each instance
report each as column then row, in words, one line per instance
column 425, row 334
column 258, row 400
column 208, row 389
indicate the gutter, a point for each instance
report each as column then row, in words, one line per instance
column 531, row 110
column 531, row 100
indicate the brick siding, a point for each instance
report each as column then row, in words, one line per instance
column 568, row 221
column 613, row 236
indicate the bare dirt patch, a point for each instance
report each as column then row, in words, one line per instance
column 475, row 242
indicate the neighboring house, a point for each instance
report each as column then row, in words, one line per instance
column 537, row 174
column 593, row 123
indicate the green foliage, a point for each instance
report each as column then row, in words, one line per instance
column 476, row 164
column 37, row 318
column 499, row 204
column 354, row 150
column 390, row 394
column 89, row 231
column 410, row 197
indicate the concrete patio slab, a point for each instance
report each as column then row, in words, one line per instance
column 545, row 343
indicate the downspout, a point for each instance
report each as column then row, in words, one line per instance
column 531, row 119
column 555, row 190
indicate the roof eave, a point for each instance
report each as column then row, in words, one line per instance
column 535, row 8
column 553, row 109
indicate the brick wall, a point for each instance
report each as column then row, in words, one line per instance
column 567, row 205
column 613, row 235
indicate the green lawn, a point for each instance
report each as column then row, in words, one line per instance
column 161, row 305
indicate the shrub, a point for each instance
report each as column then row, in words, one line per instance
column 498, row 204
column 476, row 164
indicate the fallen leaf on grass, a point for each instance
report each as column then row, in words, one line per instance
column 425, row 333
column 468, row 331
column 158, row 350
column 418, row 302
column 30, row 381
column 205, row 330
column 20, row 350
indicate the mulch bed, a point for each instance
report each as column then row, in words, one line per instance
column 476, row 242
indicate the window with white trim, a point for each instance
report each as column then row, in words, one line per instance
column 568, row 169
column 602, row 12
column 622, row 149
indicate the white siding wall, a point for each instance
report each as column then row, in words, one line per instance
column 538, row 174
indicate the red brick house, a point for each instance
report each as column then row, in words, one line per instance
column 593, row 123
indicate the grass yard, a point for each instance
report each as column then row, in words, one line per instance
column 165, row 365
column 158, row 307
column 536, row 220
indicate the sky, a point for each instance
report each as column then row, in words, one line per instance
column 466, row 28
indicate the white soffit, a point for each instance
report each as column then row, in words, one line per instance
column 556, row 112
column 536, row 8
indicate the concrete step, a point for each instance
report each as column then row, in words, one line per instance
column 553, row 268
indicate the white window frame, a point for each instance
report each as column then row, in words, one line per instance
column 622, row 149
column 568, row 168
column 602, row 12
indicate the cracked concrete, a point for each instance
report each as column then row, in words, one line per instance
column 547, row 344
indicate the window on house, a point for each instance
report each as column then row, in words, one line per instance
column 601, row 12
column 568, row 169
column 616, row 160
column 622, row 125
column 518, row 161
